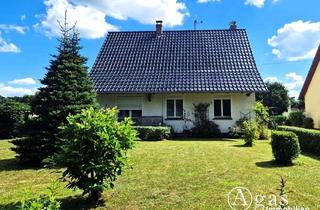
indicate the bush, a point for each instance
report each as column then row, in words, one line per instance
column 44, row 202
column 308, row 123
column 12, row 117
column 203, row 127
column 236, row 131
column 153, row 133
column 262, row 118
column 296, row 118
column 280, row 119
column 309, row 139
column 251, row 132
column 285, row 146
column 94, row 150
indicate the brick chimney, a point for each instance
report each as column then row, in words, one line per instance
column 233, row 25
column 159, row 27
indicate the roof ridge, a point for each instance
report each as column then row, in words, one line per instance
column 185, row 30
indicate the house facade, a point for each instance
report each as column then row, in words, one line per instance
column 156, row 77
column 310, row 91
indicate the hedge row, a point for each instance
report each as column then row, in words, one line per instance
column 309, row 139
column 153, row 133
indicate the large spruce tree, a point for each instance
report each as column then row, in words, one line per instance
column 66, row 89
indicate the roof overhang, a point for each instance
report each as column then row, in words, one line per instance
column 312, row 70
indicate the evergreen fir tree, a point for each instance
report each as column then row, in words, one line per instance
column 66, row 90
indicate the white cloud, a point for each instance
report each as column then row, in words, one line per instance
column 294, row 84
column 8, row 91
column 7, row 46
column 23, row 81
column 271, row 79
column 257, row 3
column 91, row 15
column 23, row 17
column 296, row 40
column 11, row 27
column 206, row 1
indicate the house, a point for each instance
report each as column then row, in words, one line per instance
column 310, row 92
column 155, row 77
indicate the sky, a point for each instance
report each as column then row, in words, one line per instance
column 284, row 34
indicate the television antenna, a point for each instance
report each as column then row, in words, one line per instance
column 195, row 23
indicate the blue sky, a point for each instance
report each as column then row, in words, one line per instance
column 284, row 34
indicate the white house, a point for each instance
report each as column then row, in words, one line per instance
column 155, row 77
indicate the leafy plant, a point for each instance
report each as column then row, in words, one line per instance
column 203, row 127
column 12, row 117
column 236, row 131
column 280, row 119
column 251, row 132
column 296, row 118
column 153, row 132
column 44, row 202
column 308, row 123
column 285, row 146
column 262, row 118
column 94, row 150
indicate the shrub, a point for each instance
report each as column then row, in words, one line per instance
column 285, row 146
column 308, row 123
column 94, row 150
column 262, row 118
column 280, row 119
column 296, row 118
column 153, row 133
column 12, row 117
column 309, row 139
column 236, row 131
column 44, row 202
column 203, row 127
column 251, row 132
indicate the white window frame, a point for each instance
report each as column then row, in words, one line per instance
column 221, row 105
column 174, row 108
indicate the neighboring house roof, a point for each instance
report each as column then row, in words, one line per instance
column 312, row 70
column 176, row 62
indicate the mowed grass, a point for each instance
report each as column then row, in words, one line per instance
column 191, row 174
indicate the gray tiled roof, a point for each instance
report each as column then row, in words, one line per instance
column 177, row 61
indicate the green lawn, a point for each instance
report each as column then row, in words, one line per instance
column 177, row 175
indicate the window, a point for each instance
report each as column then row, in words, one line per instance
column 174, row 108
column 222, row 108
column 130, row 106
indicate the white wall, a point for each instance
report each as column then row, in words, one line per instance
column 240, row 103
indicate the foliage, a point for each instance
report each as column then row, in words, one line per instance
column 66, row 89
column 236, row 131
column 44, row 202
column 296, row 118
column 308, row 123
column 276, row 99
column 251, row 132
column 94, row 150
column 309, row 139
column 153, row 133
column 12, row 117
column 263, row 119
column 285, row 146
column 280, row 119
column 203, row 127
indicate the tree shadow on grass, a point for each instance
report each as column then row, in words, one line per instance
column 14, row 164
column 271, row 164
column 310, row 155
column 201, row 139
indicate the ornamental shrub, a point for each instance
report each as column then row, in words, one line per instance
column 262, row 118
column 308, row 123
column 296, row 118
column 280, row 119
column 94, row 150
column 12, row 117
column 285, row 146
column 251, row 132
column 203, row 127
column 309, row 139
column 153, row 133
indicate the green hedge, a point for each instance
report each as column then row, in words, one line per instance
column 153, row 133
column 285, row 146
column 309, row 139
